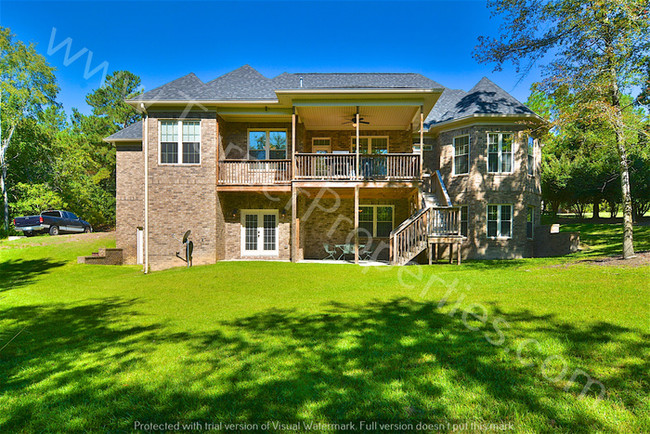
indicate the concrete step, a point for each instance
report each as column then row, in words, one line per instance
column 103, row 257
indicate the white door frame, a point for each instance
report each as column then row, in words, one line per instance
column 260, row 232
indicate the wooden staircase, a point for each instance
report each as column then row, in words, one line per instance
column 436, row 218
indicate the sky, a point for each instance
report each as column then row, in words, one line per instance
column 163, row 40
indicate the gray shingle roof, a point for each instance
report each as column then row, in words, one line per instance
column 188, row 87
column 132, row 132
column 354, row 80
column 484, row 98
column 246, row 83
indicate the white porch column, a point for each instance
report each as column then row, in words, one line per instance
column 421, row 141
column 356, row 222
column 357, row 122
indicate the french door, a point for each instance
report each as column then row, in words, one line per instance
column 259, row 232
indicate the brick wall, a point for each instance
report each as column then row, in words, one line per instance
column 480, row 188
column 129, row 213
column 183, row 197
column 398, row 140
column 231, row 204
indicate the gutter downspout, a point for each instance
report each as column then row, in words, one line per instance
column 146, row 189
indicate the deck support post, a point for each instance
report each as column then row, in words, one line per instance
column 294, row 193
column 356, row 222
column 294, row 225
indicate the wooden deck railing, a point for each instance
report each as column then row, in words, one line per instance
column 262, row 172
column 325, row 166
column 411, row 237
column 371, row 166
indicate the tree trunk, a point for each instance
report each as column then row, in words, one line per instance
column 3, row 185
column 596, row 213
column 618, row 124
column 628, row 229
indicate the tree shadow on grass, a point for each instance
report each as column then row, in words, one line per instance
column 102, row 366
column 17, row 272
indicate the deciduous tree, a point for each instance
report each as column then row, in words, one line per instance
column 592, row 51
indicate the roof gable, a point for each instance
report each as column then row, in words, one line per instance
column 484, row 98
column 244, row 83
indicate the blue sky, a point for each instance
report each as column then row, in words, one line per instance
column 163, row 40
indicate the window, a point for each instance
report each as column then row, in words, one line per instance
column 375, row 220
column 530, row 221
column 321, row 145
column 370, row 145
column 499, row 152
column 499, row 221
column 461, row 155
column 464, row 214
column 189, row 142
column 267, row 144
column 531, row 155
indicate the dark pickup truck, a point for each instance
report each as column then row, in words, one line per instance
column 54, row 222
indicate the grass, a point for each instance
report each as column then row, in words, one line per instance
column 99, row 348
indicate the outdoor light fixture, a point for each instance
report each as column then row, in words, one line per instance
column 234, row 213
column 283, row 213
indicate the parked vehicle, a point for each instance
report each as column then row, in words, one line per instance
column 54, row 222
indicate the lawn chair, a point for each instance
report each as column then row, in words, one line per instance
column 346, row 249
column 366, row 253
column 330, row 252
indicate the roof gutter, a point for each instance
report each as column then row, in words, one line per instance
column 486, row 116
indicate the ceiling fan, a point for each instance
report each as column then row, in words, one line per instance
column 354, row 120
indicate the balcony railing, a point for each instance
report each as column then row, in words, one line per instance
column 320, row 167
column 343, row 166
column 262, row 172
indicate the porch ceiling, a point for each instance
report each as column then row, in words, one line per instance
column 339, row 117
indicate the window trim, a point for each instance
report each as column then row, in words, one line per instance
column 179, row 142
column 453, row 158
column 500, row 152
column 353, row 140
column 532, row 222
column 487, row 219
column 266, row 145
column 374, row 216
column 329, row 139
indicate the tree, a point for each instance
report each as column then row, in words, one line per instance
column 27, row 85
column 595, row 50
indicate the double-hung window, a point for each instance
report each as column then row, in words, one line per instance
column 267, row 144
column 375, row 220
column 461, row 155
column 500, row 152
column 180, row 142
column 499, row 221
column 531, row 155
column 530, row 221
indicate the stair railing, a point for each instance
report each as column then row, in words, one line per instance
column 410, row 237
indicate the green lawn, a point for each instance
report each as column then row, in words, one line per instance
column 98, row 348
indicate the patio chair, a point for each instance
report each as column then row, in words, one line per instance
column 366, row 253
column 346, row 249
column 330, row 252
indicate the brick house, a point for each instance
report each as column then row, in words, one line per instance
column 313, row 165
